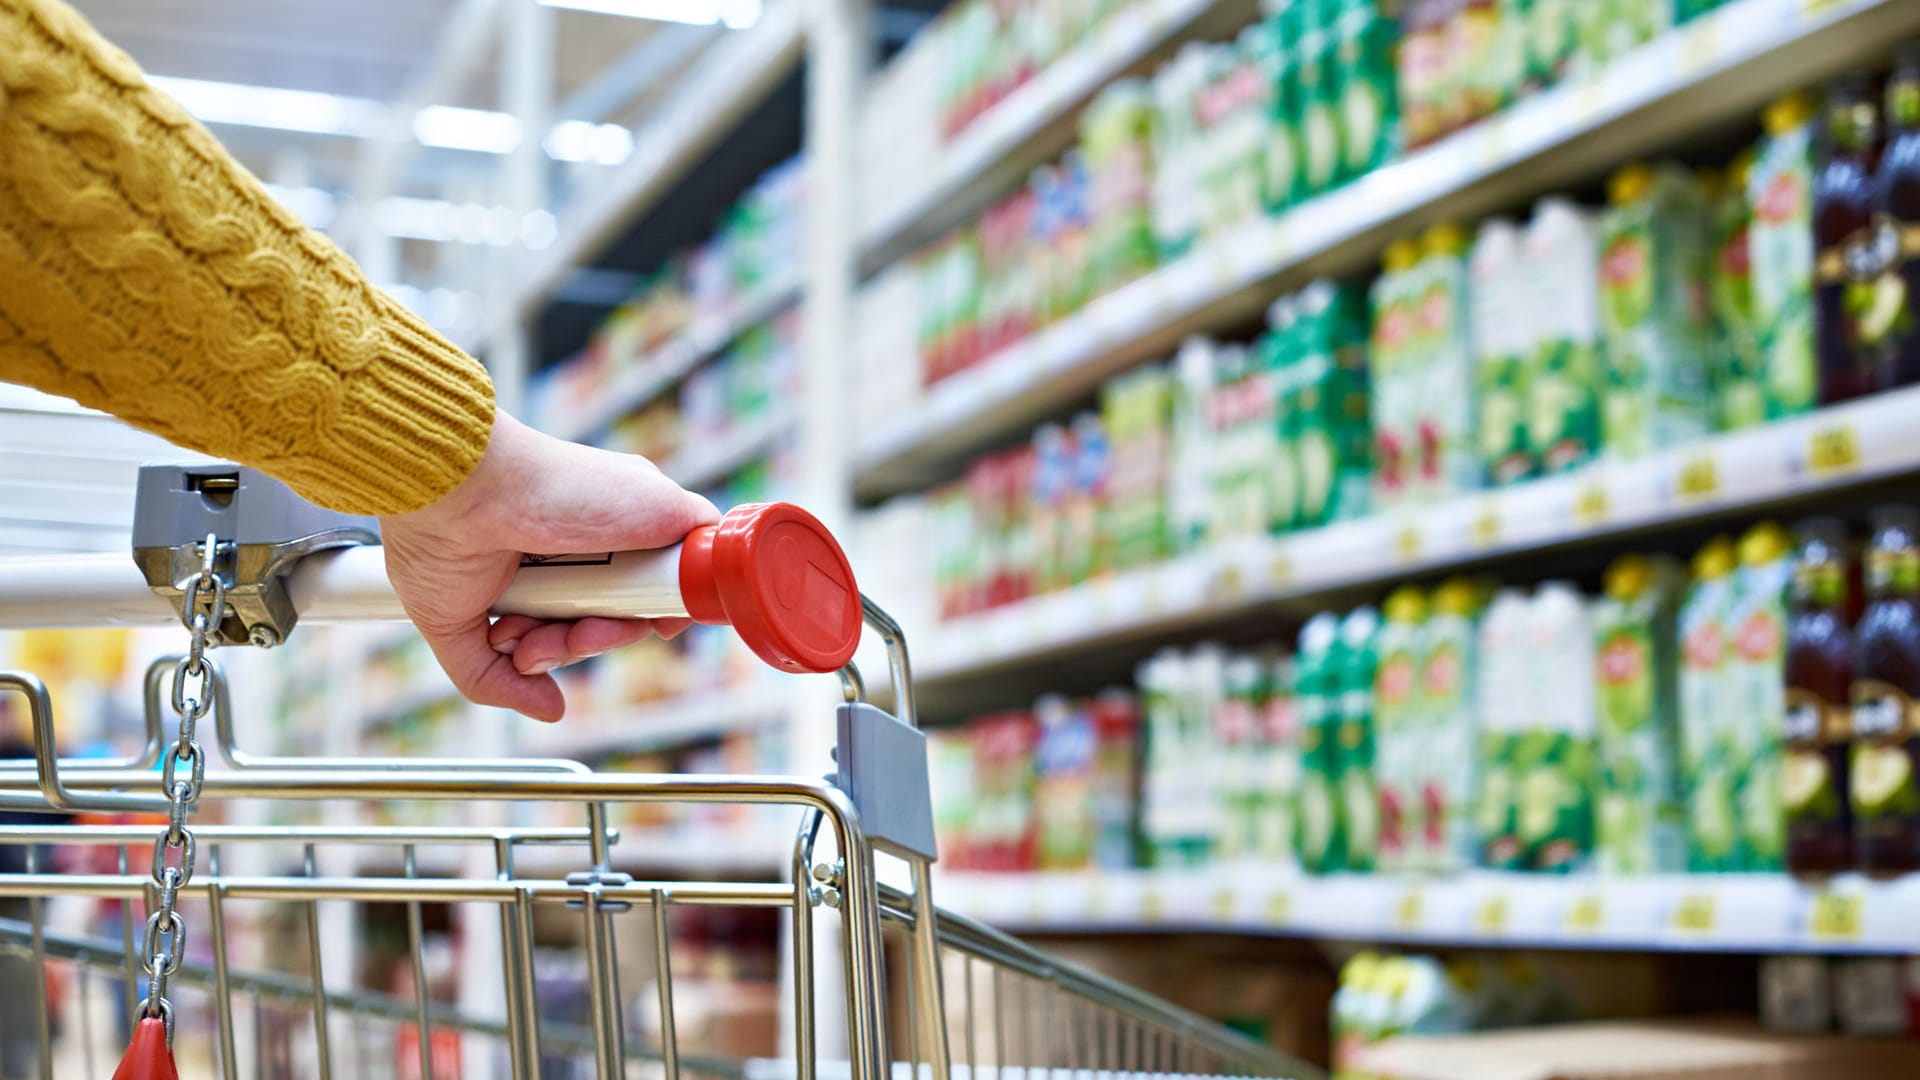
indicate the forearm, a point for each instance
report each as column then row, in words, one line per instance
column 146, row 273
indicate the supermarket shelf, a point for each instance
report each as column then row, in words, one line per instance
column 708, row 464
column 1030, row 126
column 708, row 851
column 719, row 88
column 1844, row 446
column 430, row 689
column 1719, row 913
column 703, row 715
column 647, row 378
column 1718, row 69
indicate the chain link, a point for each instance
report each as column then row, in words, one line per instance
column 193, row 694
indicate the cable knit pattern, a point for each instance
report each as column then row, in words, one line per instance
column 146, row 273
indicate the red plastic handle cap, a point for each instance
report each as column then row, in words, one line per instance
column 148, row 1056
column 774, row 573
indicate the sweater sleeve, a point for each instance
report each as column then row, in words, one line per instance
column 146, row 273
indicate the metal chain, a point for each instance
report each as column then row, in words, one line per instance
column 206, row 603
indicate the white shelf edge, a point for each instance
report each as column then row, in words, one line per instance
column 722, row 85
column 1786, row 459
column 1069, row 80
column 700, row 715
column 704, row 465
column 666, row 365
column 1659, row 73
column 1678, row 912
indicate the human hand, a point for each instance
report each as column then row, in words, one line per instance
column 533, row 493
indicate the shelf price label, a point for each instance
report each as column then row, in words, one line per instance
column 1484, row 531
column 1153, row 904
column 1698, row 478
column 1832, row 450
column 1835, row 916
column 1229, row 584
column 1586, row 914
column 1591, row 504
column 1278, row 908
column 1694, row 913
column 1490, row 918
column 1406, row 543
column 1279, row 569
column 1408, row 910
column 1225, row 903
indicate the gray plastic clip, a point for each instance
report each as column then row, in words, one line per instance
column 882, row 766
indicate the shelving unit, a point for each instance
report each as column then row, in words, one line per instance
column 1723, row 66
column 1743, row 471
column 1721, row 913
column 699, row 715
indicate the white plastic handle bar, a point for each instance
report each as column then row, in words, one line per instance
column 348, row 585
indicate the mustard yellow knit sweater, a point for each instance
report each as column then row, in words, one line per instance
column 146, row 273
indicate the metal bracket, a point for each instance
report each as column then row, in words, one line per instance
column 263, row 528
column 882, row 766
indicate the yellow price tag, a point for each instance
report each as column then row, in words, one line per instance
column 1694, row 914
column 1590, row 504
column 1698, row 478
column 1833, row 450
column 1224, row 904
column 1279, row 907
column 1406, row 544
column 1229, row 584
column 1485, row 531
column 1586, row 915
column 1153, row 906
column 1279, row 569
column 1810, row 8
column 1836, row 916
column 1491, row 918
column 1407, row 911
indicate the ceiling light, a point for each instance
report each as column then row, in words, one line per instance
column 734, row 14
column 478, row 130
column 272, row 107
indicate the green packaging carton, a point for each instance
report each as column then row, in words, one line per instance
column 1756, row 658
column 1560, row 254
column 1358, row 784
column 1708, row 755
column 1334, row 444
column 1639, row 813
column 1780, row 189
column 1739, row 379
column 1281, row 753
column 1323, row 158
column 1399, row 731
column 1502, row 339
column 1503, row 697
column 1393, row 370
column 1655, row 324
column 1369, row 98
column 1445, row 395
column 1553, row 761
column 1447, row 676
column 1320, row 836
column 1282, row 160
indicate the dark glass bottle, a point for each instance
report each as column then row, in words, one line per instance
column 1819, row 678
column 1897, row 199
column 1843, row 200
column 1886, row 738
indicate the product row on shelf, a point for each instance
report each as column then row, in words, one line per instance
column 697, row 301
column 1690, row 304
column 1748, row 717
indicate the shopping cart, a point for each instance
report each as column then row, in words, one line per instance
column 920, row 992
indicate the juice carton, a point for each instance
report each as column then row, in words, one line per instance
column 1447, row 658
column 1423, row 43
column 1085, row 554
column 1392, row 365
column 1116, row 791
column 1282, row 163
column 1280, row 373
column 1176, row 187
column 1503, row 698
column 1335, row 440
column 950, row 770
column 1189, row 495
column 1398, row 731
column 1550, row 33
column 1369, row 99
column 1053, row 469
column 1474, row 57
column 1654, row 318
column 1708, row 755
column 1560, row 252
column 1553, row 761
column 1180, row 809
column 1502, row 342
column 1446, row 381
column 1756, row 657
column 1780, row 190
column 1116, row 134
column 1003, row 820
column 1358, row 663
column 1280, row 775
column 1320, row 838
column 1066, row 770
column 1638, row 824
column 1243, row 431
column 1323, row 157
column 1137, row 411
column 1739, row 379
column 1237, row 738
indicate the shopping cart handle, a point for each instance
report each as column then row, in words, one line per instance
column 769, row 570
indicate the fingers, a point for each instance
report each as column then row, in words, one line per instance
column 557, row 644
column 487, row 677
column 507, row 630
